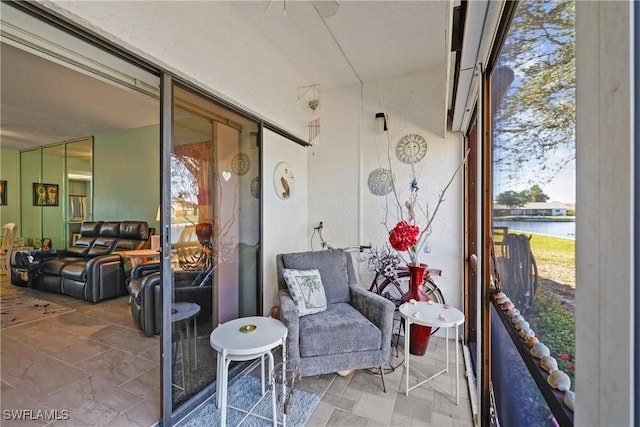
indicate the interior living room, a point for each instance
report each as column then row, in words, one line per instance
column 165, row 166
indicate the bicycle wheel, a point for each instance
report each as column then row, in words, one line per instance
column 433, row 291
column 393, row 289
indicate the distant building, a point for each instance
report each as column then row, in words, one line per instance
column 534, row 208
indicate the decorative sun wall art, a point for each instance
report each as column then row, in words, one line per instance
column 411, row 149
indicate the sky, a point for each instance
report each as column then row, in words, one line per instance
column 562, row 188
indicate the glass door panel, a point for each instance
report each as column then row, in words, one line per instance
column 79, row 195
column 214, row 232
column 48, row 194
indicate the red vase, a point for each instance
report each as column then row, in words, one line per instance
column 419, row 334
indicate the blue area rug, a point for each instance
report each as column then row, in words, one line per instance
column 243, row 393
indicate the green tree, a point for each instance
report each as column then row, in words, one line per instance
column 535, row 77
column 536, row 194
column 511, row 199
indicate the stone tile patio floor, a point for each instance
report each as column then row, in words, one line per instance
column 358, row 399
column 106, row 333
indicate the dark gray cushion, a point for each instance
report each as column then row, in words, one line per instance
column 110, row 229
column 333, row 271
column 339, row 329
column 102, row 246
column 90, row 228
column 134, row 230
column 80, row 247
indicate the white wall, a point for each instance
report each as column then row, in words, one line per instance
column 349, row 149
column 284, row 221
column 604, row 226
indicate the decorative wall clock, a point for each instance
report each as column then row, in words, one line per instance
column 283, row 180
column 411, row 148
column 240, row 164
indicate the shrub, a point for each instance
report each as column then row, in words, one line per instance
column 555, row 325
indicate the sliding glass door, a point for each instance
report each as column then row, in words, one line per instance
column 211, row 235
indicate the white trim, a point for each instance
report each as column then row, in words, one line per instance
column 481, row 26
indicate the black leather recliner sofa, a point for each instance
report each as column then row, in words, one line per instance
column 146, row 294
column 91, row 269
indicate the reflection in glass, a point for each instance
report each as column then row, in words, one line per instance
column 533, row 174
column 214, row 232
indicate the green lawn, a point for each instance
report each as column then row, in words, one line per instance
column 556, row 258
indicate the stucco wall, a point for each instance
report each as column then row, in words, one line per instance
column 284, row 220
column 350, row 149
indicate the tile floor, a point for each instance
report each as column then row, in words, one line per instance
column 95, row 363
column 358, row 400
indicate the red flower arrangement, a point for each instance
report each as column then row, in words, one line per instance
column 404, row 237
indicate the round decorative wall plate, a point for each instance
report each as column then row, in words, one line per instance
column 380, row 182
column 283, row 180
column 255, row 187
column 411, row 148
column 240, row 164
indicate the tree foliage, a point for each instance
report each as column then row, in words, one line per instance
column 535, row 194
column 511, row 198
column 515, row 199
column 534, row 90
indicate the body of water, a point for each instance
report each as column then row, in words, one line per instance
column 566, row 229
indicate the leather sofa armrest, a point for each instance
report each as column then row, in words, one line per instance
column 291, row 318
column 145, row 269
column 376, row 308
column 104, row 278
column 149, row 298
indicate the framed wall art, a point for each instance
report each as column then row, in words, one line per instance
column 3, row 192
column 45, row 194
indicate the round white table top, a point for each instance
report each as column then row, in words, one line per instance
column 239, row 337
column 142, row 252
column 431, row 314
column 181, row 311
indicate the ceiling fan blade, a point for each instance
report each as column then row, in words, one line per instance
column 326, row 8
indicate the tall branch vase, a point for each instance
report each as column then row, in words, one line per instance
column 419, row 334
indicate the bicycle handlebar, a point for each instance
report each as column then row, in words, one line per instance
column 352, row 248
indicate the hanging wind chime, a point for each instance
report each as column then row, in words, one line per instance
column 311, row 96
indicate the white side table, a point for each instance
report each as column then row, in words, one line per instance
column 437, row 316
column 182, row 315
column 238, row 340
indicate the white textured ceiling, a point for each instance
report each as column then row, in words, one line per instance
column 43, row 102
column 362, row 41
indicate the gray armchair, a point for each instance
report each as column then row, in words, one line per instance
column 355, row 330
